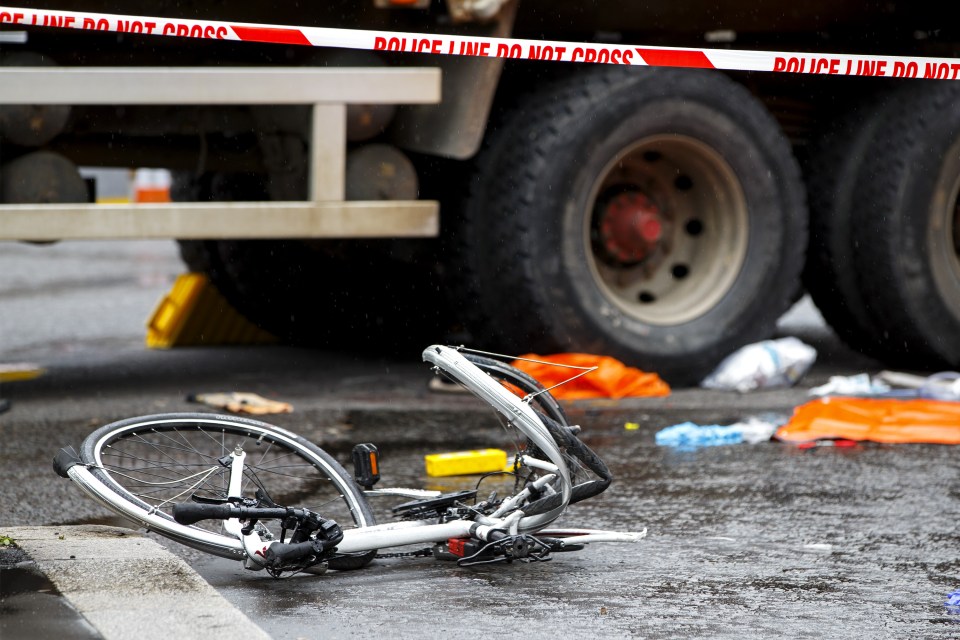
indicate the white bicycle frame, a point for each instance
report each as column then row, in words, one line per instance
column 518, row 412
column 252, row 548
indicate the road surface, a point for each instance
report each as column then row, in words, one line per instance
column 745, row 541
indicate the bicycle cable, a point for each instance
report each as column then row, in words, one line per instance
column 583, row 370
column 521, row 547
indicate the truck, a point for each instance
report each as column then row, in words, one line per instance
column 664, row 216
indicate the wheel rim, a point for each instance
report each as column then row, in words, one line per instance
column 667, row 229
column 944, row 234
column 166, row 461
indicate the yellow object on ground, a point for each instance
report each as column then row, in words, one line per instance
column 20, row 371
column 875, row 420
column 462, row 463
column 194, row 313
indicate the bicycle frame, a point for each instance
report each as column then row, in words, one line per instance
column 397, row 534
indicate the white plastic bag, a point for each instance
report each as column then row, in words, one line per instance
column 856, row 385
column 763, row 365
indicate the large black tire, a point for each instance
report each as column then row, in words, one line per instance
column 832, row 165
column 319, row 292
column 907, row 222
column 728, row 230
column 203, row 256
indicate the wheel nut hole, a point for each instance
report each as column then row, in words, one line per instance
column 680, row 271
column 646, row 297
column 683, row 183
column 693, row 227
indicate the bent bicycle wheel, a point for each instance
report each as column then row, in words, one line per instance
column 515, row 379
column 154, row 462
column 589, row 476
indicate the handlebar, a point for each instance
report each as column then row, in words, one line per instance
column 278, row 554
column 187, row 513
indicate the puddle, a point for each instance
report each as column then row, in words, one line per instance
column 31, row 607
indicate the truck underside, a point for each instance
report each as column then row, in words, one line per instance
column 663, row 216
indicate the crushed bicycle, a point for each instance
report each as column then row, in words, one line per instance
column 223, row 485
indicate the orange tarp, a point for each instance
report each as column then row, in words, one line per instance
column 876, row 420
column 612, row 379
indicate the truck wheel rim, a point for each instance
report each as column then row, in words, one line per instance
column 667, row 230
column 943, row 233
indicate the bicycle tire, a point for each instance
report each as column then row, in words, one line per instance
column 154, row 461
column 523, row 381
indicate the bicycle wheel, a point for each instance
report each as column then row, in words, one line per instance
column 154, row 462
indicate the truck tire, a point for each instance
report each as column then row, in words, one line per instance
column 830, row 276
column 318, row 292
column 907, row 222
column 187, row 186
column 203, row 256
column 654, row 215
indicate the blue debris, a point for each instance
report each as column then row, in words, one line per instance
column 687, row 435
column 953, row 602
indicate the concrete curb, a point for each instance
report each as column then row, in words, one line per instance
column 128, row 586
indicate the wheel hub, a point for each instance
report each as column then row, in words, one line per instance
column 631, row 226
column 667, row 232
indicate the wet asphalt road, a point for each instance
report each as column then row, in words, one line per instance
column 743, row 541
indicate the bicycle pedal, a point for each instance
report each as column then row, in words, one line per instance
column 366, row 464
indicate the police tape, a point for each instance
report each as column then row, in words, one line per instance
column 459, row 45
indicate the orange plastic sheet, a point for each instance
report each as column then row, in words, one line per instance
column 612, row 379
column 876, row 420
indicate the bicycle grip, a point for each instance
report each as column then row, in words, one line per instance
column 279, row 552
column 193, row 512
